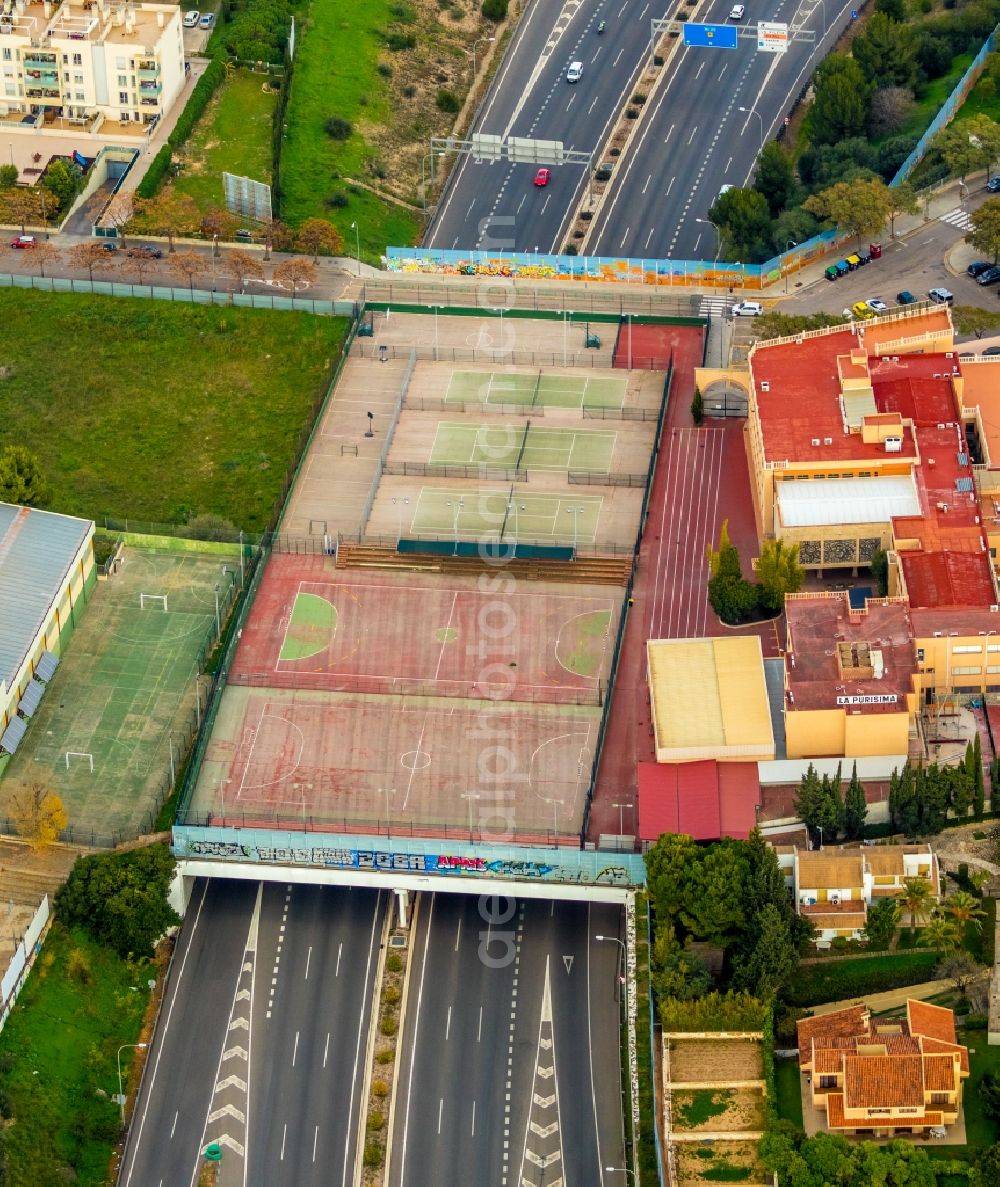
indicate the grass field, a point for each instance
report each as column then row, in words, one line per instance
column 927, row 107
column 233, row 136
column 79, row 1004
column 336, row 74
column 557, row 450
column 980, row 1129
column 787, row 1090
column 159, row 411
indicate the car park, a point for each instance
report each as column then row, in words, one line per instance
column 542, row 176
column 191, row 19
column 940, row 296
column 574, row 72
column 736, row 12
column 990, row 276
column 978, row 267
column 993, row 185
column 876, row 305
column 862, row 311
column 207, row 21
column 23, row 241
column 906, row 297
column 747, row 309
column 146, row 251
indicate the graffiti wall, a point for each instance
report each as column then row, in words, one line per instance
column 410, row 856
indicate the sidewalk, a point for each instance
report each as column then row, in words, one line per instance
column 891, row 999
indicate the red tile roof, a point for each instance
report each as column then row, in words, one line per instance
column 883, row 1082
column 844, row 1023
column 934, row 1022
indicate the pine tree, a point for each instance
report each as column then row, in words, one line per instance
column 979, row 785
column 855, row 808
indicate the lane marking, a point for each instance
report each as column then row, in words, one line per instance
column 315, row 1140
column 447, row 1026
column 458, row 934
column 473, row 1118
column 308, row 959
column 174, row 1126
column 479, row 1032
column 284, row 1134
column 340, row 950
column 326, row 1048
column 440, row 1112
column 295, row 1049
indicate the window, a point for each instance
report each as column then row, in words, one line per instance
column 7, row 55
column 828, row 1081
column 967, row 649
column 993, row 647
column 121, row 63
column 123, row 98
column 65, row 59
column 940, row 1098
column 80, row 96
column 976, row 671
column 78, row 59
column 992, row 671
column 78, row 79
column 10, row 88
column 123, row 80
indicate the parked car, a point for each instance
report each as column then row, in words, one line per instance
column 861, row 310
column 736, row 12
column 574, row 72
column 993, row 185
column 542, row 176
column 109, row 246
column 207, row 21
column 148, row 251
column 23, row 241
column 876, row 304
column 977, row 268
column 906, row 297
column 244, row 235
column 940, row 296
column 747, row 309
column 191, row 19
column 991, row 351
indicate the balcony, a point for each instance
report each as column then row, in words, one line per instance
column 148, row 71
column 147, row 90
column 43, row 95
column 45, row 62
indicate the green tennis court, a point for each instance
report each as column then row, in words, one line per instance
column 529, row 388
column 491, row 511
column 525, row 447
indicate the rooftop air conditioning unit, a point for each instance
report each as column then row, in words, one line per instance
column 835, row 899
column 950, row 354
column 815, row 440
column 893, row 444
column 765, row 385
column 827, row 440
column 995, row 609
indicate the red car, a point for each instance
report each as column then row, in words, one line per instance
column 23, row 241
column 542, row 176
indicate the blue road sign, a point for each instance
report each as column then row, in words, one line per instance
column 710, row 36
column 854, row 14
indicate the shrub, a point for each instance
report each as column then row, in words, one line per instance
column 376, row 1120
column 78, row 967
column 201, row 96
column 391, row 995
column 495, row 10
column 839, row 944
column 976, row 1021
column 397, row 41
column 571, row 249
column 8, row 176
column 386, row 1056
column 448, row 101
column 409, row 91
column 373, row 1154
column 385, row 69
column 394, row 962
column 405, row 13
column 632, row 113
column 338, row 201
column 388, row 1026
column 338, row 129
column 603, row 174
column 639, row 98
column 155, row 174
column 380, row 1088
column 840, row 979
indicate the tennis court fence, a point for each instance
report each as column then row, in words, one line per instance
column 429, row 470
column 475, row 408
column 595, row 360
column 390, row 432
column 404, row 686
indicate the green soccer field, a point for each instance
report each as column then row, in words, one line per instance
column 509, row 447
column 487, row 511
column 527, row 388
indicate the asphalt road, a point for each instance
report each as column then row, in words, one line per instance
column 307, row 1010
column 480, row 1025
column 695, row 139
column 496, row 206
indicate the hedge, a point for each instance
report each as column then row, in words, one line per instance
column 155, row 173
column 842, row 979
column 643, row 1145
column 714, row 1011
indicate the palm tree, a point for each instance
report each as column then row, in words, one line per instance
column 940, row 932
column 964, row 908
column 915, row 900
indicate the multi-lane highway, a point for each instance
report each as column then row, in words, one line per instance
column 262, row 1038
column 509, row 1066
column 693, row 139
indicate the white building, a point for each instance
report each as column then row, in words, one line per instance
column 90, row 62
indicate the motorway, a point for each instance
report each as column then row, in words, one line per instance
column 262, row 1033
column 511, row 1008
column 693, row 140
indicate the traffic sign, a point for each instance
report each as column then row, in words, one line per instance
column 710, row 36
column 772, row 38
column 854, row 14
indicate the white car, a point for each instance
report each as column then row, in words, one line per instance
column 736, row 12
column 747, row 309
column 877, row 305
column 191, row 19
column 574, row 72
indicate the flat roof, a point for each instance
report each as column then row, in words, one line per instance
column 916, row 386
column 846, row 500
column 706, row 800
column 818, row 624
column 37, row 550
column 981, row 389
column 709, row 699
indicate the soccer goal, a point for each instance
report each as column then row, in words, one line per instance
column 80, row 754
column 153, row 600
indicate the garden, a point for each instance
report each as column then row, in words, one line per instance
column 187, row 411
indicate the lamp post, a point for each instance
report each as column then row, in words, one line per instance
column 556, row 805
column 789, row 244
column 470, row 796
column 576, row 512
column 819, row 829
column 623, row 976
column 435, row 308
column 630, row 316
column 718, row 251
column 621, row 816
column 357, row 243
column 456, row 505
column 614, row 1170
column 567, row 316
column 121, row 1094
column 475, row 46
column 754, row 111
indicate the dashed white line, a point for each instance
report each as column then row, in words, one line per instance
column 340, row 949
column 174, row 1126
column 473, row 1118
column 315, row 1140
column 326, row 1048
column 447, row 1026
column 648, row 237
column 670, row 133
column 694, row 131
column 295, row 1049
column 308, row 959
column 284, row 1134
column 479, row 1032
column 440, row 1112
column 624, row 237
column 648, row 180
column 593, row 105
column 700, row 69
column 722, row 72
column 619, row 57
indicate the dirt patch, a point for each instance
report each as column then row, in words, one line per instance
column 715, row 1060
column 723, row 1162
column 712, row 1110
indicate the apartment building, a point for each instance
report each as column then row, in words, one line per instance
column 883, row 1077
column 88, row 62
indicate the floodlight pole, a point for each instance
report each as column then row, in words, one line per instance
column 357, row 243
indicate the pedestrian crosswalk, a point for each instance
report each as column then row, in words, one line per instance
column 714, row 306
column 957, row 218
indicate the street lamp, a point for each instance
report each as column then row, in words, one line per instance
column 612, row 1170
column 788, row 245
column 567, row 317
column 556, row 805
column 630, row 316
column 754, row 111
column 470, row 796
column 819, row 829
column 435, row 308
column 121, row 1094
column 718, row 236
column 576, row 512
column 357, row 243
column 456, row 506
column 475, row 45
column 623, row 976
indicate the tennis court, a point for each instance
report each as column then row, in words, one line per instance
column 528, row 388
column 124, row 689
column 505, row 513
column 527, row 447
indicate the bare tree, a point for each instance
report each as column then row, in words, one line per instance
column 120, row 210
column 91, row 255
column 242, row 266
column 142, row 264
column 37, row 813
column 295, row 274
column 43, row 255
column 317, row 235
column 188, row 264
